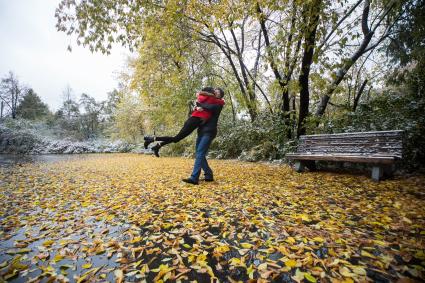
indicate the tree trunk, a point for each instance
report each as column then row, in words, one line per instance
column 251, row 108
column 340, row 74
column 359, row 93
column 282, row 80
column 312, row 21
column 348, row 63
column 14, row 103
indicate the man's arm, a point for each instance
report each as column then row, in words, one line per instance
column 210, row 107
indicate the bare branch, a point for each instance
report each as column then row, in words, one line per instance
column 338, row 24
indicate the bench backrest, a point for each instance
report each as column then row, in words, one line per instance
column 383, row 143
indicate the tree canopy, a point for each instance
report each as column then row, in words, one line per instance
column 285, row 57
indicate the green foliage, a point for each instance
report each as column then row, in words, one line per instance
column 90, row 124
column 185, row 147
column 399, row 107
column 129, row 119
column 259, row 140
column 31, row 107
column 408, row 43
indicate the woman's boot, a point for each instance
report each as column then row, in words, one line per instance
column 148, row 141
column 156, row 148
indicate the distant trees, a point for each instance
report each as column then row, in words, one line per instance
column 31, row 107
column 70, row 108
column 85, row 118
column 11, row 92
column 80, row 118
column 90, row 123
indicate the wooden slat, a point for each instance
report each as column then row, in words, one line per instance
column 356, row 134
column 349, row 158
column 359, row 150
column 387, row 143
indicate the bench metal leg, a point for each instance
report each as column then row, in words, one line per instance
column 311, row 165
column 299, row 166
column 377, row 172
column 389, row 171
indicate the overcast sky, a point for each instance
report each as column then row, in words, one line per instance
column 31, row 47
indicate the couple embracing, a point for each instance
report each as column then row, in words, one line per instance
column 204, row 117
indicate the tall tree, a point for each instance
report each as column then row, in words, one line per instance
column 407, row 43
column 222, row 24
column 282, row 74
column 11, row 92
column 69, row 107
column 380, row 28
column 89, row 119
column 311, row 14
column 31, row 106
column 110, row 105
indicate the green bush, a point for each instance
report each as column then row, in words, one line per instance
column 263, row 139
column 400, row 107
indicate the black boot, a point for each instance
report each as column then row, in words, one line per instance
column 156, row 148
column 190, row 181
column 148, row 141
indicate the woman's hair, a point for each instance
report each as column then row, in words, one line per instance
column 208, row 89
column 221, row 91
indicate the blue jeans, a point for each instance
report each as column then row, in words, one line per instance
column 203, row 143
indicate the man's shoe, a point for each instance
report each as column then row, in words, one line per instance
column 148, row 141
column 190, row 181
column 155, row 149
column 209, row 180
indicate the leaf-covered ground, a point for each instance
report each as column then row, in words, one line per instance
column 128, row 217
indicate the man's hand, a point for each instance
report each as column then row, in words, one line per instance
column 198, row 108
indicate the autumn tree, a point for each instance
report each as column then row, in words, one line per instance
column 376, row 24
column 218, row 23
column 282, row 41
column 129, row 119
column 309, row 47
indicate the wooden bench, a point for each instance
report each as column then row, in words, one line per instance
column 380, row 149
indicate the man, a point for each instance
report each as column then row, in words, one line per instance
column 206, row 134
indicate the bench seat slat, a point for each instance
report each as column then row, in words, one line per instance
column 378, row 134
column 381, row 149
column 339, row 157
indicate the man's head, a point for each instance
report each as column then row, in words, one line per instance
column 219, row 92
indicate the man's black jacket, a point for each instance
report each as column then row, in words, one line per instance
column 210, row 127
